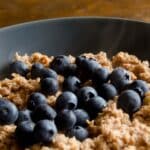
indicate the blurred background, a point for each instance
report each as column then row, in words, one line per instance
column 18, row 11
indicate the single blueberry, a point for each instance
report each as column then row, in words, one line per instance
column 100, row 76
column 82, row 117
column 85, row 93
column 60, row 64
column 95, row 105
column 46, row 72
column 49, row 86
column 79, row 59
column 107, row 91
column 24, row 134
column 71, row 70
column 43, row 111
column 67, row 100
column 8, row 112
column 44, row 131
column 36, row 70
column 79, row 68
column 79, row 132
column 24, row 115
column 120, row 78
column 36, row 99
column 19, row 67
column 71, row 83
column 65, row 119
column 129, row 101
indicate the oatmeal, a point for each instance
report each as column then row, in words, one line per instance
column 111, row 129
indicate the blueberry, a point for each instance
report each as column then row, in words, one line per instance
column 60, row 64
column 19, row 67
column 49, row 86
column 81, row 75
column 70, row 70
column 79, row 60
column 36, row 99
column 67, row 100
column 129, row 101
column 107, row 91
column 43, row 111
column 82, row 116
column 24, row 134
column 139, row 86
column 72, row 83
column 24, row 115
column 95, row 105
column 79, row 68
column 90, row 65
column 36, row 70
column 85, row 93
column 46, row 72
column 100, row 76
column 87, row 66
column 8, row 112
column 120, row 78
column 65, row 119
column 79, row 132
column 44, row 131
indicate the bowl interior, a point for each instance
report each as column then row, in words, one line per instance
column 74, row 36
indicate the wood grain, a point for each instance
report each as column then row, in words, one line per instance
column 17, row 11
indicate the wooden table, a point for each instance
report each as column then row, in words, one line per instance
column 17, row 11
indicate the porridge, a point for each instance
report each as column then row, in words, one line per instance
column 106, row 103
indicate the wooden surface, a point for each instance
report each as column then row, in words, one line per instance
column 17, row 11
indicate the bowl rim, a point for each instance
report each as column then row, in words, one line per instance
column 62, row 19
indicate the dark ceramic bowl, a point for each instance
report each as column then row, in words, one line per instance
column 75, row 36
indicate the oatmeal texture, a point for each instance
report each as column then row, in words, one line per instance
column 111, row 130
column 139, row 68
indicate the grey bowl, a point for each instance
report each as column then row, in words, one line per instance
column 75, row 36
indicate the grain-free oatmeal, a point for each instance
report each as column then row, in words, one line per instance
column 89, row 102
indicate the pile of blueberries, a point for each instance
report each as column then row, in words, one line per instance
column 39, row 122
